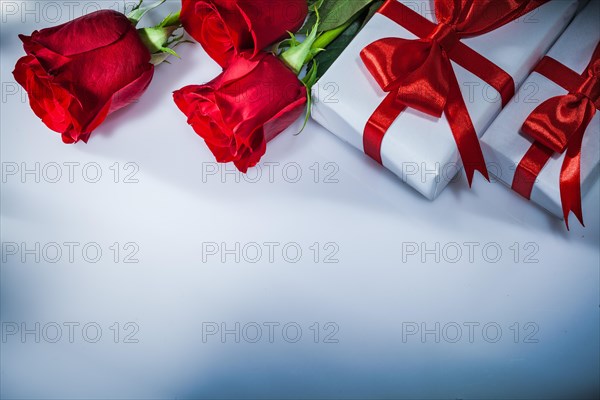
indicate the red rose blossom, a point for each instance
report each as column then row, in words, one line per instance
column 238, row 112
column 225, row 27
column 77, row 73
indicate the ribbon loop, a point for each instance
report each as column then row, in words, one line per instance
column 556, row 120
column 383, row 58
column 416, row 70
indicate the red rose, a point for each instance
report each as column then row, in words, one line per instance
column 238, row 112
column 225, row 27
column 79, row 72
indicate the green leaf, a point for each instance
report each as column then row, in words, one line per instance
column 313, row 9
column 326, row 58
column 335, row 13
column 372, row 10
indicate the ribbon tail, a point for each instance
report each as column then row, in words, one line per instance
column 570, row 177
column 464, row 131
column 529, row 168
column 379, row 123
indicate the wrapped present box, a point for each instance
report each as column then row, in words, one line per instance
column 540, row 169
column 362, row 97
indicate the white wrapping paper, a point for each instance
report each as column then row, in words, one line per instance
column 504, row 145
column 418, row 148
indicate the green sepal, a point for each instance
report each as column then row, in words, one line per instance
column 156, row 38
column 298, row 54
column 138, row 12
column 310, row 78
column 171, row 20
column 308, row 81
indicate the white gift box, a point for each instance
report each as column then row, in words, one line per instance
column 504, row 145
column 421, row 149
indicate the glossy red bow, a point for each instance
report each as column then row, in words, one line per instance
column 558, row 125
column 419, row 74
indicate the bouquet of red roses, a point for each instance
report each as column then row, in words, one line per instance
column 78, row 73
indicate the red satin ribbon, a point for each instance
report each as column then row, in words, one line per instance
column 419, row 74
column 558, row 125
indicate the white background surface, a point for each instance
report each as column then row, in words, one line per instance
column 371, row 294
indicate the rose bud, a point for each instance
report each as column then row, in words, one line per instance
column 238, row 112
column 77, row 73
column 225, row 27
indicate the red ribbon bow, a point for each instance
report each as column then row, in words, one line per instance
column 419, row 74
column 558, row 125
